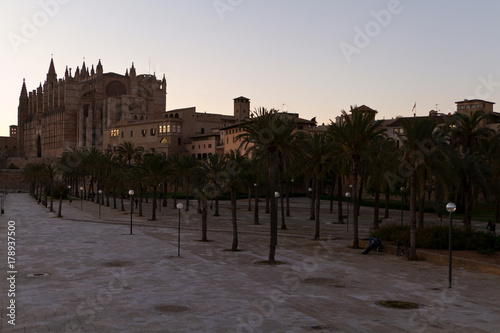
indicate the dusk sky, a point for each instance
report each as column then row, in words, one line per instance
column 314, row 57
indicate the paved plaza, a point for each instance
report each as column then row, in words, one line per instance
column 82, row 274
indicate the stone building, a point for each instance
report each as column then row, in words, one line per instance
column 74, row 111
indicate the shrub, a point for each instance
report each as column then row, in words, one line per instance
column 436, row 237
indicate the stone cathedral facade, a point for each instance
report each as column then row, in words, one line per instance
column 76, row 110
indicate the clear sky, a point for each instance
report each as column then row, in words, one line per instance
column 314, row 57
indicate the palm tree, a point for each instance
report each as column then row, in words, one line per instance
column 129, row 151
column 189, row 165
column 233, row 168
column 379, row 158
column 470, row 139
column 271, row 133
column 316, row 148
column 354, row 134
column 154, row 170
column 421, row 150
column 213, row 168
column 50, row 172
column 175, row 176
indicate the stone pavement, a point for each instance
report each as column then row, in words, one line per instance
column 78, row 274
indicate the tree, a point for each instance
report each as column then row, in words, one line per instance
column 154, row 171
column 234, row 166
column 354, row 134
column 421, row 150
column 469, row 138
column 213, row 168
column 269, row 132
column 189, row 166
column 316, row 149
column 128, row 151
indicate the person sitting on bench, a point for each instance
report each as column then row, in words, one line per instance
column 375, row 243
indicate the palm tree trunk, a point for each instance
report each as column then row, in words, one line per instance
column 204, row 218
column 187, row 195
column 339, row 200
column 332, row 191
column 60, row 205
column 175, row 194
column 421, row 206
column 287, row 189
column 216, row 206
column 274, row 218
column 311, row 202
column 268, row 196
column 234, row 246
column 355, row 171
column 497, row 208
column 121, row 200
column 165, row 193
column 387, row 197
column 413, row 216
column 468, row 207
column 376, row 206
column 107, row 199
column 318, row 193
column 141, row 196
column 256, row 210
column 114, row 199
column 283, row 222
column 52, row 195
column 153, row 214
column 360, row 196
column 249, row 188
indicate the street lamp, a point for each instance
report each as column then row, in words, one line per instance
column 179, row 207
column 99, row 198
column 402, row 202
column 81, row 197
column 450, row 207
column 131, row 193
column 348, row 195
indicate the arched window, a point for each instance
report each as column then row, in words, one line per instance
column 168, row 128
column 205, row 156
column 199, row 156
column 176, row 115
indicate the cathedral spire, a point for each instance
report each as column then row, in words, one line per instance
column 51, row 74
column 99, row 68
column 24, row 91
column 132, row 70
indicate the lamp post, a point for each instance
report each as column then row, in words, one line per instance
column 179, row 207
column 348, row 195
column 402, row 202
column 81, row 197
column 99, row 198
column 131, row 193
column 450, row 207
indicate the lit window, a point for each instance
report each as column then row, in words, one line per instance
column 115, row 133
column 153, row 131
